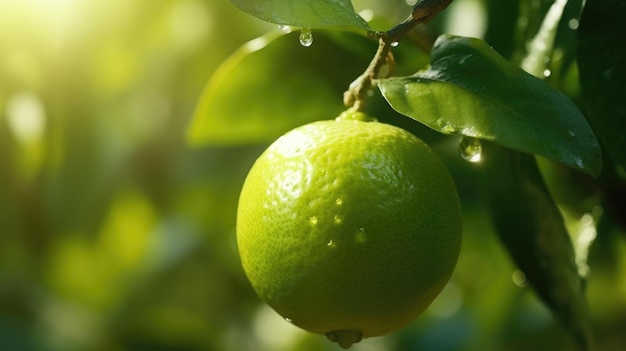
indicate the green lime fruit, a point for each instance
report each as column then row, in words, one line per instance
column 349, row 228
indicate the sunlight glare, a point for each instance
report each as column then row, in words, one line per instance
column 56, row 8
column 190, row 22
column 467, row 18
column 26, row 117
column 44, row 23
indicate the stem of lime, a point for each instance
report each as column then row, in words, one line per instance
column 383, row 64
column 353, row 114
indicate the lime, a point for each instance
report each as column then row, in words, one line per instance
column 348, row 228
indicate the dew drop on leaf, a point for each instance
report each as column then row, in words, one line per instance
column 470, row 149
column 571, row 134
column 395, row 44
column 306, row 37
column 448, row 128
column 579, row 163
column 519, row 279
column 284, row 28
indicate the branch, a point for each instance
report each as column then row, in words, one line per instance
column 423, row 12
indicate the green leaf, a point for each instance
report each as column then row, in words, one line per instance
column 273, row 84
column 470, row 89
column 602, row 65
column 532, row 229
column 304, row 13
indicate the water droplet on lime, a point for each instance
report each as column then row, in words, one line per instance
column 337, row 219
column 360, row 236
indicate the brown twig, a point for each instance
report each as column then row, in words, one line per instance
column 423, row 12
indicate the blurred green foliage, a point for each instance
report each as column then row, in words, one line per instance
column 115, row 235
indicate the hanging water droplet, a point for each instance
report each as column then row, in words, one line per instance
column 395, row 44
column 306, row 37
column 284, row 27
column 288, row 320
column 345, row 338
column 547, row 73
column 470, row 149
